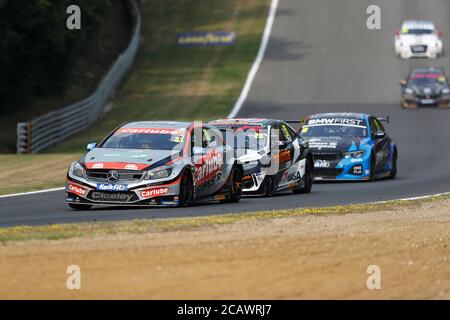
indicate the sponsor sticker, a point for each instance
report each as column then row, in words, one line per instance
column 427, row 75
column 98, row 165
column 336, row 121
column 178, row 139
column 112, row 187
column 221, row 38
column 77, row 190
column 208, row 167
column 123, row 197
column 151, row 131
column 259, row 136
column 150, row 193
column 170, row 203
column 357, row 170
column 285, row 156
column 321, row 164
column 131, row 166
column 323, row 144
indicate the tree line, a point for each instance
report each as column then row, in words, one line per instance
column 37, row 50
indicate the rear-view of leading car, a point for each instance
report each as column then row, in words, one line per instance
column 418, row 38
column 425, row 86
column 350, row 146
column 155, row 164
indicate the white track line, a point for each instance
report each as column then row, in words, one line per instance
column 414, row 198
column 377, row 202
column 31, row 192
column 259, row 58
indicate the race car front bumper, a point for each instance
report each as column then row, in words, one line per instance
column 166, row 194
column 342, row 169
column 419, row 51
column 410, row 102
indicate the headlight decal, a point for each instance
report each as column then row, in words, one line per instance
column 78, row 170
column 354, row 154
column 158, row 174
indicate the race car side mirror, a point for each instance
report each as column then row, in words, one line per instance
column 403, row 83
column 279, row 144
column 91, row 146
column 380, row 134
column 265, row 160
column 440, row 34
column 397, row 33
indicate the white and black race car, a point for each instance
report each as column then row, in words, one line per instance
column 418, row 38
column 274, row 156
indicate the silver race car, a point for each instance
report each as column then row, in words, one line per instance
column 274, row 157
column 156, row 164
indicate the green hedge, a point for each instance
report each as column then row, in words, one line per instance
column 36, row 48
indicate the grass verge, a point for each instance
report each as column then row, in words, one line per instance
column 170, row 82
column 22, row 173
column 141, row 226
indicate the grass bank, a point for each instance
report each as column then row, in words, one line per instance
column 22, row 173
column 170, row 82
column 141, row 226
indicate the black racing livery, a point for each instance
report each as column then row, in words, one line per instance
column 425, row 86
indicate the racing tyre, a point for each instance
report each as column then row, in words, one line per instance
column 305, row 185
column 234, row 184
column 80, row 207
column 269, row 186
column 186, row 189
column 393, row 172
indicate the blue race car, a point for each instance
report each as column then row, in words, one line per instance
column 349, row 146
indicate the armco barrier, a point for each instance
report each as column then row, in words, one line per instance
column 46, row 130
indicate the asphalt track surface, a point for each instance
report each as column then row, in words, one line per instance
column 320, row 58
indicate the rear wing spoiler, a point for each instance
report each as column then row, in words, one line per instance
column 383, row 119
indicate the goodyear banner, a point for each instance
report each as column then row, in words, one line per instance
column 206, row 38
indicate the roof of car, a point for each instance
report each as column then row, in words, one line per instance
column 418, row 24
column 339, row 115
column 158, row 124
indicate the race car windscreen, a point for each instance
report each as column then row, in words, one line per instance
column 246, row 137
column 417, row 32
column 334, row 127
column 427, row 79
column 146, row 138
